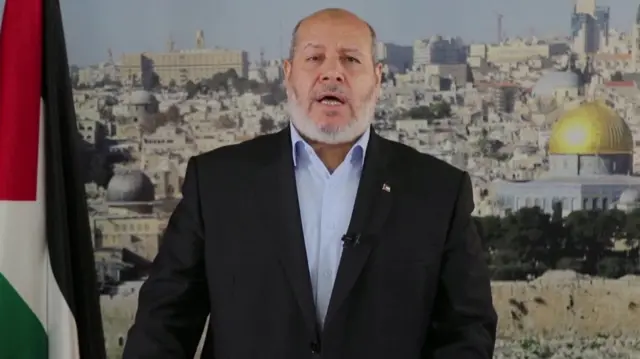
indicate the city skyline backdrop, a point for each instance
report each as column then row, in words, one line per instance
column 126, row 26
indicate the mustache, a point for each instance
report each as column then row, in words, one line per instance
column 331, row 90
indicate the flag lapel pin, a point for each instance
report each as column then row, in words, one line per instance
column 386, row 188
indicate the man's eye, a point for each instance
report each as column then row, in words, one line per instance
column 352, row 59
column 313, row 58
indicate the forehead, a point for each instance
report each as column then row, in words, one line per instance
column 338, row 32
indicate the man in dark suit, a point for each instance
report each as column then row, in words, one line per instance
column 323, row 240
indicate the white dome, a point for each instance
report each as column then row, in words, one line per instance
column 629, row 196
column 552, row 80
column 141, row 98
column 130, row 186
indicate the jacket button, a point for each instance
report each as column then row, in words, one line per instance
column 315, row 348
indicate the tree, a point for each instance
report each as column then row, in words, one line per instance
column 569, row 263
column 223, row 81
column 516, row 243
column 489, row 147
column 420, row 113
column 612, row 267
column 632, row 228
column 530, row 241
column 276, row 93
column 592, row 234
column 556, row 236
column 191, row 88
column 440, row 109
column 231, row 74
column 225, row 122
column 527, row 234
column 267, row 124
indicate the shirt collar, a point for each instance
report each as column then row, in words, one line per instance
column 356, row 153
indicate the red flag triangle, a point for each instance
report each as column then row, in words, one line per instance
column 20, row 86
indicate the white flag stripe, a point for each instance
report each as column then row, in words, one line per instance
column 60, row 325
column 23, row 253
column 24, row 259
column 25, row 263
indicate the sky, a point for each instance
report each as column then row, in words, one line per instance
column 94, row 26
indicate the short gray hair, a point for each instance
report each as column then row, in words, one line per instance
column 372, row 32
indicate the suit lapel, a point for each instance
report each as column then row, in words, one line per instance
column 372, row 205
column 277, row 192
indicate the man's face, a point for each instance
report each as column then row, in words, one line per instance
column 332, row 82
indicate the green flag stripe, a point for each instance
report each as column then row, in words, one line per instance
column 22, row 336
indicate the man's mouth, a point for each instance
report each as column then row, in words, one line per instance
column 331, row 100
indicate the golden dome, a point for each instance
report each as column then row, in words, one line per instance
column 590, row 129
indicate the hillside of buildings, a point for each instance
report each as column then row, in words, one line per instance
column 546, row 127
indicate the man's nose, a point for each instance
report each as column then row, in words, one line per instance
column 332, row 76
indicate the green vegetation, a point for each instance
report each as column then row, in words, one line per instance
column 529, row 242
column 225, row 81
column 435, row 111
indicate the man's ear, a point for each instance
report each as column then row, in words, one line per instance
column 378, row 73
column 286, row 67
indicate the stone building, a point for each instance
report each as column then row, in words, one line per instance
column 590, row 157
column 128, row 225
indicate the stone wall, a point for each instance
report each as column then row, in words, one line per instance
column 562, row 303
column 559, row 304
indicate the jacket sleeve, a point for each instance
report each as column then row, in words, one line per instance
column 464, row 320
column 173, row 303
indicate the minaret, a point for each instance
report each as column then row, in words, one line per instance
column 635, row 46
column 200, row 39
column 143, row 160
column 170, row 44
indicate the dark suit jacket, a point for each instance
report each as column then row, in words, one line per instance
column 416, row 286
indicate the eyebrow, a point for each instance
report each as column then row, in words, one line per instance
column 342, row 49
column 352, row 50
column 312, row 45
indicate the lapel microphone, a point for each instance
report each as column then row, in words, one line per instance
column 351, row 239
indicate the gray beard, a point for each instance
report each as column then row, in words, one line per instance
column 331, row 134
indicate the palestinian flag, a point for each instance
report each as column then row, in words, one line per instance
column 48, row 294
